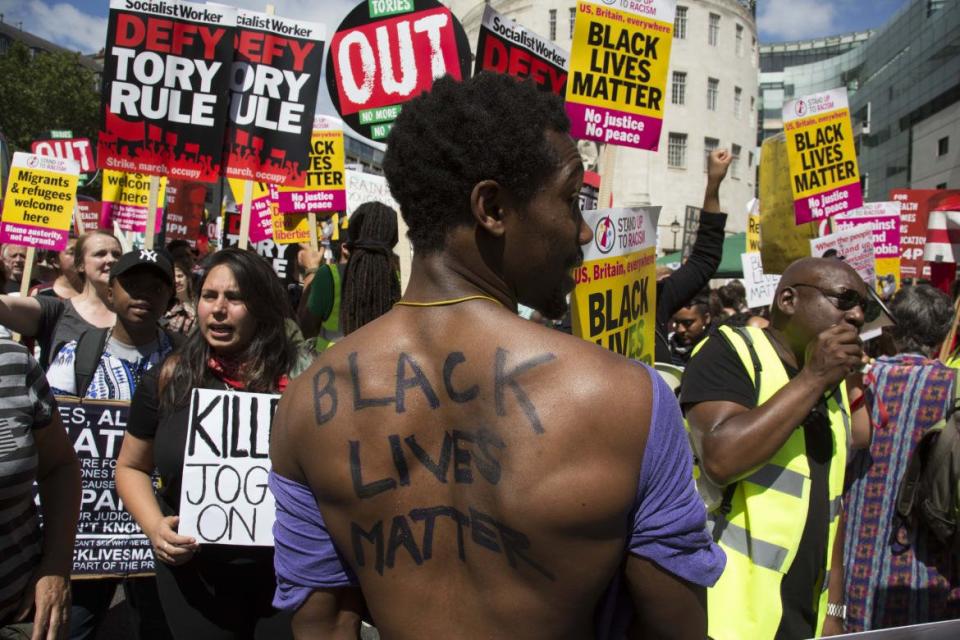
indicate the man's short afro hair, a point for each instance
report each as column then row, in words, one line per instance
column 445, row 141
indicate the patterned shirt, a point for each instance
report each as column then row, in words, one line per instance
column 26, row 404
column 118, row 373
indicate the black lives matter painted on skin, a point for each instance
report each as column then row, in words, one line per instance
column 464, row 456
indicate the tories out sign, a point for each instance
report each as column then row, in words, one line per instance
column 504, row 46
column 273, row 93
column 224, row 497
column 166, row 72
column 386, row 53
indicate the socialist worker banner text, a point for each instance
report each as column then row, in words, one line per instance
column 823, row 161
column 618, row 72
column 614, row 299
column 273, row 93
column 166, row 72
column 506, row 47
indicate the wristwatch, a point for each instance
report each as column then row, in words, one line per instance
column 835, row 610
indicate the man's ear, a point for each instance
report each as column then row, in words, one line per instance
column 486, row 205
column 787, row 301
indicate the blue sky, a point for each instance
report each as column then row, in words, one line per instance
column 82, row 24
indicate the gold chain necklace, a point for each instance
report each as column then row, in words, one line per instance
column 445, row 303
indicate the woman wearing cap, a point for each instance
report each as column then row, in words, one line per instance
column 140, row 291
column 55, row 322
column 240, row 343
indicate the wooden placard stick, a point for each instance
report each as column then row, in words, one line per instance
column 245, row 213
column 151, row 230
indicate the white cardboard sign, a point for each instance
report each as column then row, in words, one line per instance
column 760, row 286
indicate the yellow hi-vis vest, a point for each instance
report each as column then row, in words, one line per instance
column 761, row 531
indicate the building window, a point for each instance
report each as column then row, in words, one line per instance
column 739, row 47
column 680, row 24
column 713, row 33
column 749, row 159
column 735, row 162
column 677, row 151
column 713, row 88
column 573, row 18
column 934, row 5
column 942, row 185
column 737, row 99
column 943, row 144
column 553, row 24
column 709, row 145
column 678, row 88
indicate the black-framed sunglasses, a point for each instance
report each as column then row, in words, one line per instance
column 848, row 299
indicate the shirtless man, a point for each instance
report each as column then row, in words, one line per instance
column 480, row 476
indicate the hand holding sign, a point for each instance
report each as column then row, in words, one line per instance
column 168, row 545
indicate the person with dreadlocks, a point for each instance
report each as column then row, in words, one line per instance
column 340, row 298
column 459, row 471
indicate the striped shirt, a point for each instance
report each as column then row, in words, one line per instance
column 26, row 404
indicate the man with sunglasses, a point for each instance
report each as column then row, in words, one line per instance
column 770, row 424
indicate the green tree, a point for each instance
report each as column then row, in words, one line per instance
column 45, row 91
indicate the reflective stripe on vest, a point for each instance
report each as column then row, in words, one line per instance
column 762, row 529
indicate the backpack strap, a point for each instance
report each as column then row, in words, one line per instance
column 87, row 356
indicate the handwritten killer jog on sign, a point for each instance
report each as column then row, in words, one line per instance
column 614, row 298
column 224, row 497
column 274, row 82
column 618, row 71
column 166, row 71
column 823, row 162
column 109, row 541
column 38, row 206
column 386, row 52
column 504, row 46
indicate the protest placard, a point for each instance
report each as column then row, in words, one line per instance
column 87, row 217
column 165, row 74
column 289, row 228
column 261, row 221
column 274, row 81
column 78, row 149
column 224, row 497
column 109, row 541
column 618, row 72
column 282, row 258
column 38, row 206
column 753, row 233
column 504, row 46
column 186, row 201
column 783, row 240
column 614, row 300
column 853, row 245
column 126, row 198
column 760, row 286
column 884, row 219
column 385, row 53
column 914, row 211
column 823, row 161
column 324, row 190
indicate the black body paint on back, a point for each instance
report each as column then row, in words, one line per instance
column 328, row 390
column 504, row 379
column 418, row 379
column 369, row 489
column 360, row 402
column 453, row 359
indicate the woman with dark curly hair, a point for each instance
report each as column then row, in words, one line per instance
column 241, row 343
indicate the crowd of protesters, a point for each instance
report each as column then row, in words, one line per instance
column 576, row 492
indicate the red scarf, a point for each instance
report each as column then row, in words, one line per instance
column 230, row 372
